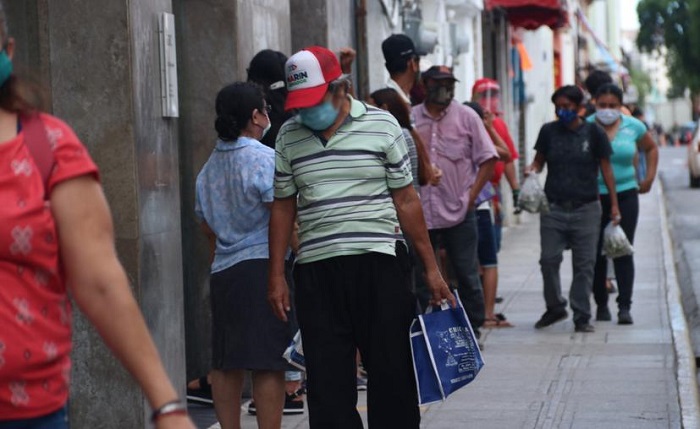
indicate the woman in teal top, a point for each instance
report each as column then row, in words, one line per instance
column 627, row 135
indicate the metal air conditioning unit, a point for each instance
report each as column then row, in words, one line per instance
column 424, row 39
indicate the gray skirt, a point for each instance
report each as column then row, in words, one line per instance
column 245, row 332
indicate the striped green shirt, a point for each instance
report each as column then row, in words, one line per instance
column 343, row 187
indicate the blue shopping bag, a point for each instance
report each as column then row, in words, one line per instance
column 488, row 192
column 294, row 354
column 446, row 355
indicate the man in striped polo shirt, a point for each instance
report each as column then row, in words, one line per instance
column 342, row 168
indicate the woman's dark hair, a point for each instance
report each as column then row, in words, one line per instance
column 612, row 89
column 234, row 108
column 475, row 107
column 16, row 95
column 399, row 109
column 595, row 80
column 267, row 70
column 267, row 67
column 394, row 105
column 573, row 93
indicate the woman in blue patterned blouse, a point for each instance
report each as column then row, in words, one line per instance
column 233, row 197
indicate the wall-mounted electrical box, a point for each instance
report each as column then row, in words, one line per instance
column 168, row 66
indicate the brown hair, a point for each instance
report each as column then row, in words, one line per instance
column 394, row 104
column 15, row 95
column 399, row 109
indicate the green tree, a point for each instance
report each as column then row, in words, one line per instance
column 642, row 82
column 674, row 24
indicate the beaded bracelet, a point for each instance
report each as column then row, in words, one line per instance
column 169, row 408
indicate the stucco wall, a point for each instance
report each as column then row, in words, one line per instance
column 103, row 79
column 379, row 28
column 216, row 41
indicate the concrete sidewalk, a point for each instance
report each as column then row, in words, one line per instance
column 618, row 377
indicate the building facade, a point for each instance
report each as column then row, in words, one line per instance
column 104, row 79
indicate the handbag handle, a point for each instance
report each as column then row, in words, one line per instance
column 445, row 305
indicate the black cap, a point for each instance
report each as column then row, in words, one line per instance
column 398, row 47
column 439, row 72
column 267, row 67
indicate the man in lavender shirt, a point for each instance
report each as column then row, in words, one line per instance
column 458, row 145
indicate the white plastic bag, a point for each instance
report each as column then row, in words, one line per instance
column 532, row 197
column 615, row 242
column 295, row 353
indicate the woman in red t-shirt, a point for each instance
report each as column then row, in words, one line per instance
column 56, row 237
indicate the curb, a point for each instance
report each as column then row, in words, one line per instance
column 686, row 370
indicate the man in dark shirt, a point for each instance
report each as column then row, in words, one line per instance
column 574, row 151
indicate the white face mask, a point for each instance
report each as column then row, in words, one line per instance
column 607, row 116
column 266, row 129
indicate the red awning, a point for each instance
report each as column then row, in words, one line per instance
column 532, row 14
column 551, row 4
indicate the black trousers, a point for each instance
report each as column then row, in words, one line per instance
column 624, row 266
column 356, row 302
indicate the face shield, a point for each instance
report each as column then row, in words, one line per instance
column 490, row 101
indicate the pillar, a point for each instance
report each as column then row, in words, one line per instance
column 216, row 41
column 99, row 60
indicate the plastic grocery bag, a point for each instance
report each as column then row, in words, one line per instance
column 615, row 242
column 295, row 353
column 446, row 355
column 532, row 197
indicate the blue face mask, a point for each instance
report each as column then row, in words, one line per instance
column 319, row 118
column 566, row 116
column 5, row 67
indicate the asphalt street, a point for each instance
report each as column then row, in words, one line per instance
column 683, row 207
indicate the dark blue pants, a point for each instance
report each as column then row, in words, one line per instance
column 488, row 253
column 55, row 420
column 460, row 242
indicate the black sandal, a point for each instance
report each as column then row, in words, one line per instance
column 203, row 394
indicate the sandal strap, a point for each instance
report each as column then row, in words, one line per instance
column 297, row 394
column 204, row 384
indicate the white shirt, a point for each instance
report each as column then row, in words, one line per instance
column 391, row 83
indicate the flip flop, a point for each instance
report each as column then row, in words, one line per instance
column 203, row 394
column 497, row 322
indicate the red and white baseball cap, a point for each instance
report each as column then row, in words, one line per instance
column 309, row 72
column 485, row 85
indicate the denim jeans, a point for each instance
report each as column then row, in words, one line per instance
column 498, row 232
column 487, row 253
column 55, row 420
column 460, row 242
column 578, row 229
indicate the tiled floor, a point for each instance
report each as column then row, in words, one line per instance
column 618, row 377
